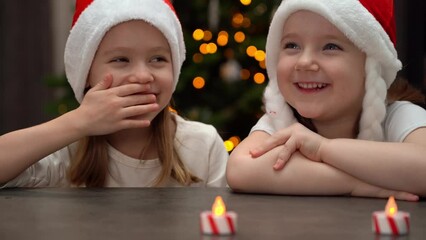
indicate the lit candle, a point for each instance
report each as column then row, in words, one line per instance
column 391, row 221
column 218, row 221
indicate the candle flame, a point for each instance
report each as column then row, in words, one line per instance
column 218, row 207
column 391, row 207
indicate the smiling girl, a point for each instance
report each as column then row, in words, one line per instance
column 329, row 126
column 123, row 61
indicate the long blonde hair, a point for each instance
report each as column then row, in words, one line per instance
column 89, row 165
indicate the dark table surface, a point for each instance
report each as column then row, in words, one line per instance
column 173, row 213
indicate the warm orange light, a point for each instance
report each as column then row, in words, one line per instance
column 260, row 55
column 211, row 48
column 259, row 78
column 222, row 40
column 229, row 145
column 198, row 34
column 218, row 207
column 198, row 82
column 203, row 48
column 239, row 37
column 262, row 64
column 245, row 74
column 391, row 207
column 235, row 140
column 251, row 50
column 237, row 20
column 245, row 2
column 207, row 35
column 172, row 110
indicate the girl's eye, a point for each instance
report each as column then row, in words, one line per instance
column 120, row 59
column 332, row 46
column 159, row 59
column 291, row 45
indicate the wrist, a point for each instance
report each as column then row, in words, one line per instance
column 74, row 124
column 324, row 150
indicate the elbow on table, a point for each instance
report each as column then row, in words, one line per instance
column 234, row 182
column 238, row 175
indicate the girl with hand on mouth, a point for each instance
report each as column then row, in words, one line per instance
column 337, row 122
column 123, row 60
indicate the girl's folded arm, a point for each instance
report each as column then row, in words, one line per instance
column 398, row 166
column 300, row 176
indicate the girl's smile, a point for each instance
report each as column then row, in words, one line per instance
column 320, row 72
column 311, row 85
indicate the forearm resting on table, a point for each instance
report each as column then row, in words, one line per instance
column 22, row 148
column 300, row 176
column 399, row 166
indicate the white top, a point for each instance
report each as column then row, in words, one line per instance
column 198, row 145
column 401, row 119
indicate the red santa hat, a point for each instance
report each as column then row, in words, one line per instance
column 93, row 18
column 370, row 25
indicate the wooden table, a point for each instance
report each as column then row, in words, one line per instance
column 173, row 213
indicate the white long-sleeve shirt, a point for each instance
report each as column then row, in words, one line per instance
column 198, row 145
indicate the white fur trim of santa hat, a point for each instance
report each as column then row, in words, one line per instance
column 99, row 17
column 362, row 28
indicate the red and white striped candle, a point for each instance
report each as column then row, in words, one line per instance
column 391, row 221
column 218, row 221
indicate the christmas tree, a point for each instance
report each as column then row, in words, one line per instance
column 224, row 76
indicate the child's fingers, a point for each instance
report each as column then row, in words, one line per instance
column 400, row 195
column 288, row 149
column 139, row 99
column 139, row 110
column 279, row 164
column 406, row 196
column 276, row 139
column 131, row 89
column 104, row 84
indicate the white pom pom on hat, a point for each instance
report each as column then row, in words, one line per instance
column 370, row 25
column 93, row 18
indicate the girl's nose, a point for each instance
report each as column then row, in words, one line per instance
column 140, row 74
column 306, row 62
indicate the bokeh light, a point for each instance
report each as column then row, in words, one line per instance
column 228, row 145
column 251, row 50
column 198, row 82
column 203, row 48
column 235, row 140
column 222, row 38
column 245, row 2
column 207, row 36
column 237, row 20
column 198, row 34
column 245, row 74
column 172, row 110
column 259, row 78
column 260, row 55
column 211, row 48
column 239, row 37
column 262, row 64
